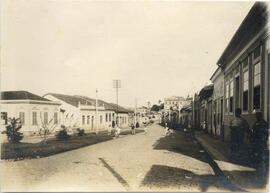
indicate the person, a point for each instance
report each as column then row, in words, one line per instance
column 259, row 141
column 117, row 131
column 110, row 130
column 238, row 126
column 132, row 129
column 145, row 129
column 166, row 129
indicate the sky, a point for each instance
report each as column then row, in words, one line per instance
column 157, row 49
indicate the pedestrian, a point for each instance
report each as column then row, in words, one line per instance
column 238, row 126
column 117, row 131
column 110, row 130
column 166, row 129
column 259, row 142
column 145, row 129
column 132, row 129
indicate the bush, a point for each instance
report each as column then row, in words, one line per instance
column 12, row 131
column 81, row 132
column 62, row 134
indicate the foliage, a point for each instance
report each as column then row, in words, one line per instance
column 155, row 108
column 12, row 130
column 62, row 134
column 81, row 132
column 46, row 128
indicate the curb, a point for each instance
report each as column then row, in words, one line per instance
column 214, row 165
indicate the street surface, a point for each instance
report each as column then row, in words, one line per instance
column 138, row 162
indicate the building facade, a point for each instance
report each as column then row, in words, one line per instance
column 245, row 64
column 173, row 103
column 32, row 110
column 81, row 112
column 217, row 108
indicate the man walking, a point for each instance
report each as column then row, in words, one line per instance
column 238, row 126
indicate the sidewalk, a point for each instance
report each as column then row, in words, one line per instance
column 239, row 171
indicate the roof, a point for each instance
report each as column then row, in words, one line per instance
column 206, row 91
column 108, row 106
column 72, row 100
column 215, row 74
column 84, row 100
column 255, row 20
column 173, row 98
column 21, row 95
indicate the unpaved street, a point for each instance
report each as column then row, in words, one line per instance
column 129, row 163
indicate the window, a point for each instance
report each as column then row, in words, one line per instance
column 88, row 120
column 55, row 117
column 34, row 118
column 106, row 117
column 227, row 97
column 231, row 96
column 257, row 86
column 110, row 117
column 4, row 118
column 83, row 120
column 45, row 117
column 245, row 90
column 22, row 117
column 100, row 119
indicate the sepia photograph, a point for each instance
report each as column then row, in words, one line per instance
column 134, row 96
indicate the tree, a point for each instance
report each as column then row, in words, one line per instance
column 161, row 106
column 155, row 108
column 47, row 128
column 12, row 130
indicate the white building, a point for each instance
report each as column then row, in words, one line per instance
column 174, row 103
column 80, row 112
column 32, row 110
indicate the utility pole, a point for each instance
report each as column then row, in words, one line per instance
column 135, row 112
column 96, row 112
column 117, row 84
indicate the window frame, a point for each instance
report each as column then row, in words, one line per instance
column 257, row 85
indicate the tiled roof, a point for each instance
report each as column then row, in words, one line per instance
column 84, row 100
column 21, row 95
column 108, row 106
column 72, row 100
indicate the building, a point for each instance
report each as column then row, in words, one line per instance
column 205, row 98
column 173, row 103
column 217, row 108
column 32, row 110
column 81, row 112
column 245, row 65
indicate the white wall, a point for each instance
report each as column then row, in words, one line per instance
column 14, row 109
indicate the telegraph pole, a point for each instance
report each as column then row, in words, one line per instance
column 135, row 112
column 117, row 84
column 96, row 112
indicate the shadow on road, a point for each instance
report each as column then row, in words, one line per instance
column 164, row 177
column 181, row 142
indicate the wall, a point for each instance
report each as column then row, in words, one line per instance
column 13, row 110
